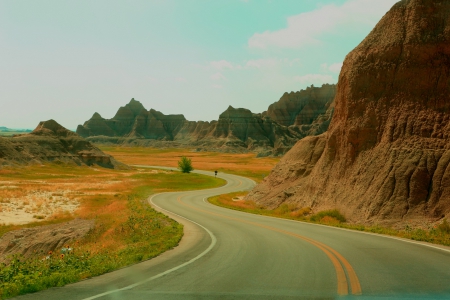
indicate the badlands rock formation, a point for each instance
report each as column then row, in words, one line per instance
column 296, row 115
column 52, row 142
column 386, row 155
column 38, row 241
column 308, row 111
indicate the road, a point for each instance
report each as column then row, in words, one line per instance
column 227, row 254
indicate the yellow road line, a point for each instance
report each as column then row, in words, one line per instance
column 339, row 262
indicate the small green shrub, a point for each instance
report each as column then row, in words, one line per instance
column 334, row 213
column 185, row 164
column 283, row 208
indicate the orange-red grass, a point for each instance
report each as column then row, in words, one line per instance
column 245, row 164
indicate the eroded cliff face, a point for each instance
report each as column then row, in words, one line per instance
column 239, row 127
column 52, row 142
column 386, row 154
column 302, row 107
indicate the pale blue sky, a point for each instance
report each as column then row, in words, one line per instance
column 68, row 59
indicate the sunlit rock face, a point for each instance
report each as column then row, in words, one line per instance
column 386, row 154
column 51, row 142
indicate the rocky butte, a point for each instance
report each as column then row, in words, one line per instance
column 52, row 142
column 294, row 116
column 385, row 157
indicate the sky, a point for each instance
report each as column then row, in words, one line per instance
column 65, row 60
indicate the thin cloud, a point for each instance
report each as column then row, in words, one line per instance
column 306, row 28
column 222, row 65
column 218, row 76
column 316, row 79
column 335, row 68
column 262, row 63
column 217, row 86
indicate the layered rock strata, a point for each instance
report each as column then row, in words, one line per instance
column 385, row 157
column 237, row 128
column 301, row 107
column 51, row 142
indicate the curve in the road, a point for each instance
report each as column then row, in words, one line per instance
column 345, row 275
column 339, row 262
column 213, row 243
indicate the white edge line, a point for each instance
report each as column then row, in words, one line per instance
column 345, row 229
column 213, row 243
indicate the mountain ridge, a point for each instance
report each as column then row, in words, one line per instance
column 237, row 129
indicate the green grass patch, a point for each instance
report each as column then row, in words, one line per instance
column 181, row 181
column 334, row 214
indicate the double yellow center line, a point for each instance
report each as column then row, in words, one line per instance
column 345, row 274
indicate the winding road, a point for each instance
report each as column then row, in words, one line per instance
column 227, row 254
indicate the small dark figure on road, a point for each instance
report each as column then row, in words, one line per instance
column 215, row 173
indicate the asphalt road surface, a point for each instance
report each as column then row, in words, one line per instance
column 227, row 254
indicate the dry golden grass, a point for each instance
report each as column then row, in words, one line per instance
column 245, row 164
column 235, row 201
column 39, row 195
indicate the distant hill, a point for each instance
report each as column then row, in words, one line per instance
column 294, row 116
column 10, row 131
column 51, row 142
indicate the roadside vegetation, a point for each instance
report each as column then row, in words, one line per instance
column 127, row 230
column 439, row 234
column 243, row 164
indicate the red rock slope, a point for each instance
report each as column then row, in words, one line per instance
column 385, row 157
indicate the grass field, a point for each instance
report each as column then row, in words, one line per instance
column 127, row 230
column 245, row 164
column 439, row 234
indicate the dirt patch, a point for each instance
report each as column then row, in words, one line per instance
column 238, row 198
column 40, row 240
column 35, row 205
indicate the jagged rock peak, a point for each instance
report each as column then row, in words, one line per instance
column 51, row 127
column 135, row 106
column 232, row 112
column 96, row 115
